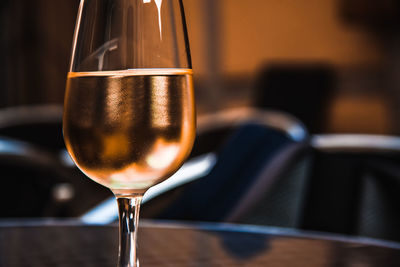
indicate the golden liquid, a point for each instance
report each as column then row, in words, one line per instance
column 129, row 130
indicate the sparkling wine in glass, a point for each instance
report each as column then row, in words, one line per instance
column 129, row 115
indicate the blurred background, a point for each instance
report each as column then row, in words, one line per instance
column 332, row 65
column 344, row 54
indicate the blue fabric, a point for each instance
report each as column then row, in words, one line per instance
column 214, row 196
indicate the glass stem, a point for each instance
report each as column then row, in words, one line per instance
column 128, row 207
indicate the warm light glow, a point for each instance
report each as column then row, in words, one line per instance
column 115, row 145
column 113, row 100
column 163, row 154
column 136, row 174
column 159, row 106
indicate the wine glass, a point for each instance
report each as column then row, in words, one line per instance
column 129, row 115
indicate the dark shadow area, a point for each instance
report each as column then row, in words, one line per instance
column 37, row 184
column 303, row 90
column 354, row 193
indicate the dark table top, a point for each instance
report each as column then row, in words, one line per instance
column 173, row 244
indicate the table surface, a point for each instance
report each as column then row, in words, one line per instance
column 174, row 244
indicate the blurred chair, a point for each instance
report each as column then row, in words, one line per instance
column 40, row 125
column 347, row 184
column 33, row 183
column 354, row 186
column 39, row 178
column 250, row 164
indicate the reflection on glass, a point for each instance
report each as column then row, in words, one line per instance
column 129, row 118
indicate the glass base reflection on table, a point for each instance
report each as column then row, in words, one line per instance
column 178, row 244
